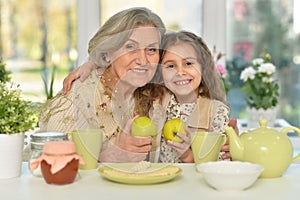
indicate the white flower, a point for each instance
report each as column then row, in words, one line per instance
column 267, row 80
column 268, row 68
column 257, row 61
column 248, row 73
column 261, row 89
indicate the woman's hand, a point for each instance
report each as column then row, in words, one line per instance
column 131, row 143
column 225, row 148
column 183, row 148
column 127, row 148
column 81, row 72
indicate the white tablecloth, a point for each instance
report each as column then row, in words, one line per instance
column 189, row 185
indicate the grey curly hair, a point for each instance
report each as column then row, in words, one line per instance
column 117, row 29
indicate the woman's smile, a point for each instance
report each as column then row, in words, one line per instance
column 139, row 70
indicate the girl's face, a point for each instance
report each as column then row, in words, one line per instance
column 136, row 61
column 181, row 71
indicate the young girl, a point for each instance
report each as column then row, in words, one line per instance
column 194, row 93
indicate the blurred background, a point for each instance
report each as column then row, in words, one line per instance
column 43, row 40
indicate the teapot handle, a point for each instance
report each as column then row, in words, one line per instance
column 292, row 128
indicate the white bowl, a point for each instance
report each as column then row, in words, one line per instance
column 230, row 175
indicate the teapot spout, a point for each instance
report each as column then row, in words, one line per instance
column 236, row 146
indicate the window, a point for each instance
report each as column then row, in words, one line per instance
column 37, row 35
column 255, row 25
column 176, row 14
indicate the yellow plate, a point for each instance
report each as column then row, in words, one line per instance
column 125, row 173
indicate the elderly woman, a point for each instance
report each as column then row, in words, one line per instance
column 126, row 52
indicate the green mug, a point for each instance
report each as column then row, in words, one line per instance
column 88, row 145
column 206, row 146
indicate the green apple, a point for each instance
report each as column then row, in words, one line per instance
column 143, row 126
column 172, row 127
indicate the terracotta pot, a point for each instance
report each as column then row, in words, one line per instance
column 59, row 162
column 64, row 176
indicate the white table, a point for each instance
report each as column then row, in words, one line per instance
column 189, row 185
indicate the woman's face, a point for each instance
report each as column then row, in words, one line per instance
column 181, row 71
column 136, row 61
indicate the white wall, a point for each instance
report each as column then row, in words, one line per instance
column 88, row 24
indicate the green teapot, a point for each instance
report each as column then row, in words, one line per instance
column 265, row 146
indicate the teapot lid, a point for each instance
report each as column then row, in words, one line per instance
column 263, row 123
column 263, row 127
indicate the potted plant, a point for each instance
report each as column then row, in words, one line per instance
column 16, row 117
column 4, row 74
column 261, row 89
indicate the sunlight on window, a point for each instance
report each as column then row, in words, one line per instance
column 35, row 36
column 176, row 14
column 272, row 25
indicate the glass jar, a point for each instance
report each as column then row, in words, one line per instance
column 37, row 145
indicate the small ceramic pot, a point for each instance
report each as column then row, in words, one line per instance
column 59, row 162
column 64, row 176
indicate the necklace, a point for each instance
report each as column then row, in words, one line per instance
column 113, row 111
column 108, row 82
column 104, row 110
column 107, row 89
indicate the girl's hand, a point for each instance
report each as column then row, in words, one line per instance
column 225, row 148
column 81, row 72
column 183, row 148
column 225, row 153
column 233, row 124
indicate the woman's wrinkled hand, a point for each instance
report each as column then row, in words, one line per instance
column 133, row 143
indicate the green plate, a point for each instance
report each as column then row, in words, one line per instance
column 124, row 173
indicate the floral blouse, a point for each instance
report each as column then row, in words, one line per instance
column 183, row 111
